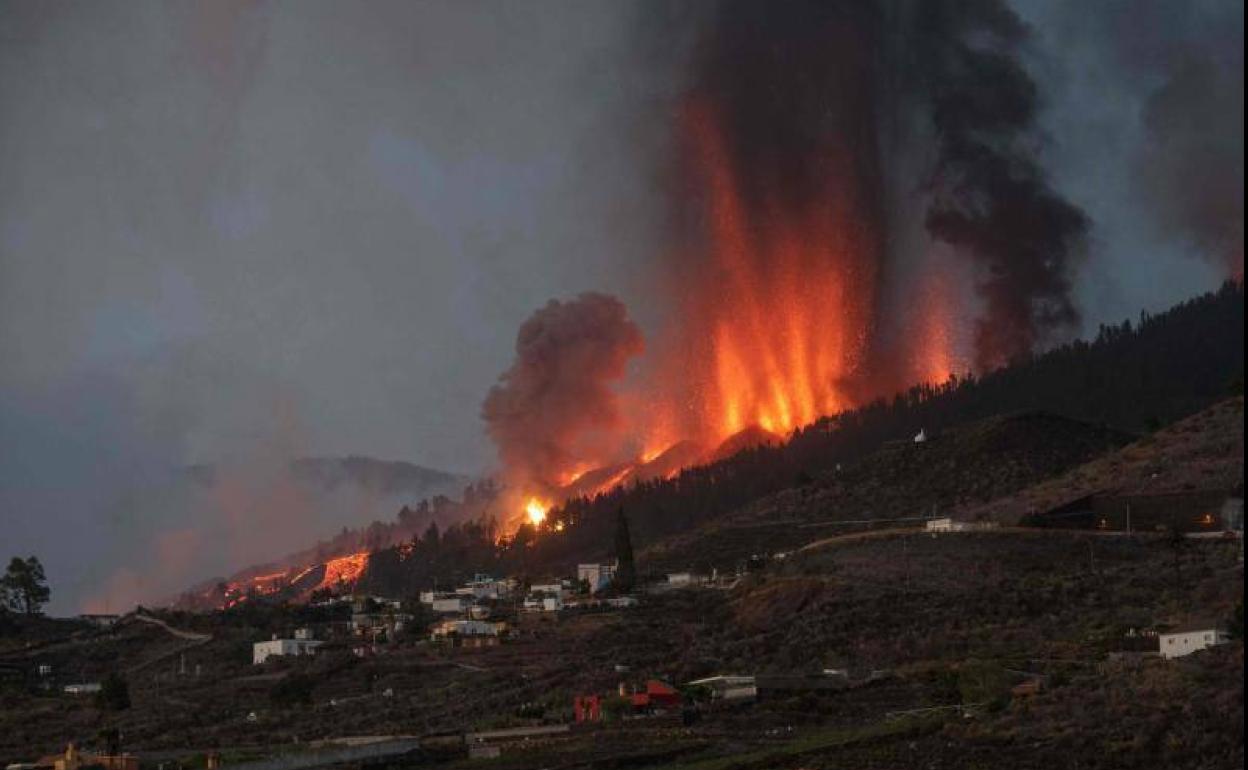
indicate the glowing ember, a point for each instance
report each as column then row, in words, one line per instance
column 536, row 511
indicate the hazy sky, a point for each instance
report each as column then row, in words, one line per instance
column 240, row 229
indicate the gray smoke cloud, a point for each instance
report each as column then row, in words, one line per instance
column 556, row 400
column 235, row 233
column 1143, row 113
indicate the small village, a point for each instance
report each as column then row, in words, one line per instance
column 463, row 626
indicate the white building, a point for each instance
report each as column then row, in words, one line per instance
column 486, row 587
column 598, row 576
column 552, row 603
column 1185, row 641
column 85, row 688
column 262, row 651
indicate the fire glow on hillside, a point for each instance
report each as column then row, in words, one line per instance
column 339, row 575
column 773, row 333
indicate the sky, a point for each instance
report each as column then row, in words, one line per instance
column 238, row 232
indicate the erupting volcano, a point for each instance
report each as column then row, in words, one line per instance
column 782, row 323
column 833, row 163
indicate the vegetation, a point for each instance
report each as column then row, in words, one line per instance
column 114, row 694
column 24, row 587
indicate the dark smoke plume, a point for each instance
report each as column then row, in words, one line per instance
column 793, row 85
column 990, row 197
column 812, row 91
column 557, row 393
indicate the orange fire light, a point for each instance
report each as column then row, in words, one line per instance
column 535, row 510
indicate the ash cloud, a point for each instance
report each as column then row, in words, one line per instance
column 556, row 400
column 990, row 197
column 809, row 92
column 355, row 235
column 1144, row 104
column 794, row 87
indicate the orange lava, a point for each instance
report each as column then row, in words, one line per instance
column 782, row 318
column 344, row 570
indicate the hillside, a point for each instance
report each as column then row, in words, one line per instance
column 1204, row 452
column 942, row 622
column 389, row 478
column 903, row 480
column 1130, row 377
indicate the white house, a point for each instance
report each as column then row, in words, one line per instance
column 598, row 576
column 262, row 651
column 1185, row 641
column 86, row 688
column 945, row 525
column 486, row 587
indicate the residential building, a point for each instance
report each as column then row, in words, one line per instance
column 587, row 708
column 1188, row 639
column 597, row 576
column 262, row 651
column 655, row 695
column 84, row 688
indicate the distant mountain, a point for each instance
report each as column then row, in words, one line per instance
column 387, row 477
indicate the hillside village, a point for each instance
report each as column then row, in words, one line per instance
column 912, row 584
column 864, row 641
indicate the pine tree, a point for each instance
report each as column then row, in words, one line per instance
column 25, row 586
